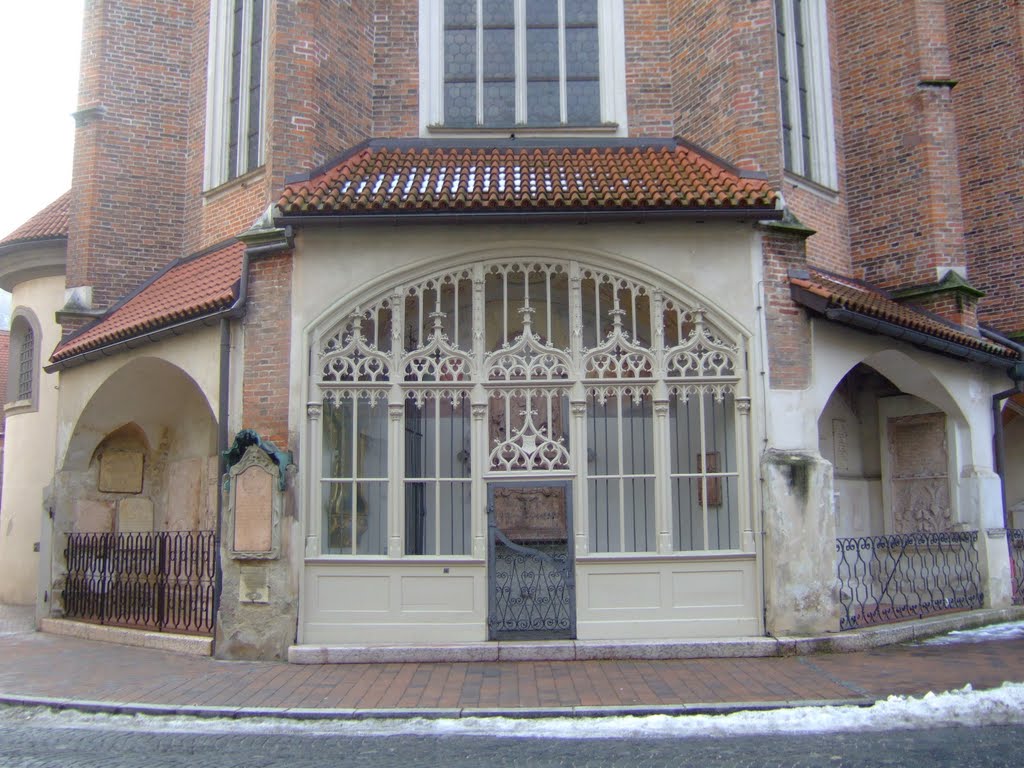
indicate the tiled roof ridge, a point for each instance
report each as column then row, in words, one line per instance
column 171, row 296
column 50, row 223
column 862, row 285
column 879, row 305
column 382, row 177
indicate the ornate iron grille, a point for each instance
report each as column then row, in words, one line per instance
column 532, row 588
column 1015, row 540
column 885, row 579
column 160, row 581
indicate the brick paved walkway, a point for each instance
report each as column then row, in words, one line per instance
column 36, row 665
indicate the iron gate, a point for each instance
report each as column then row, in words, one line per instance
column 159, row 581
column 532, row 585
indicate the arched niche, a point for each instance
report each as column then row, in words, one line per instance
column 146, row 440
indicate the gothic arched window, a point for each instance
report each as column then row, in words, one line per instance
column 526, row 369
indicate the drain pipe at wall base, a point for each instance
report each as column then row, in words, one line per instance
column 998, row 440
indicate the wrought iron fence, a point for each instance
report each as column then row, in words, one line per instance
column 893, row 578
column 1015, row 540
column 161, row 580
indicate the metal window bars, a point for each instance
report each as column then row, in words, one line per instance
column 1015, row 542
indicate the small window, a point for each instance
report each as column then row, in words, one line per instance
column 235, row 103
column 805, row 86
column 23, row 365
column 539, row 64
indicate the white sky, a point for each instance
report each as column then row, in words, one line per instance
column 39, row 46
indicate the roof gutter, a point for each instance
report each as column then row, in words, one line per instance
column 235, row 310
column 528, row 217
column 917, row 338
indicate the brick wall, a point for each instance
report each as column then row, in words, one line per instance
column 267, row 329
column 725, row 80
column 128, row 193
column 899, row 140
column 988, row 61
column 789, row 331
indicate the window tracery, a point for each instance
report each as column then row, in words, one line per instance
column 514, row 361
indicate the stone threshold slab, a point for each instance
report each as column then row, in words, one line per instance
column 191, row 645
column 587, row 650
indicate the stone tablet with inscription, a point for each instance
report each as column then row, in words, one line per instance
column 135, row 515
column 254, row 503
column 121, row 472
column 531, row 514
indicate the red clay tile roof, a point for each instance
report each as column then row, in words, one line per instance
column 188, row 289
column 842, row 292
column 385, row 177
column 49, row 223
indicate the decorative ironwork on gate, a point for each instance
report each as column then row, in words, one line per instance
column 886, row 579
column 532, row 590
column 1015, row 540
column 160, row 581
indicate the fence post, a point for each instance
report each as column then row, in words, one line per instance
column 994, row 563
column 161, row 579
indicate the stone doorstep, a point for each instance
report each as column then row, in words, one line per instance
column 584, row 650
column 191, row 645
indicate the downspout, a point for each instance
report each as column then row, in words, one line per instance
column 223, row 394
column 998, row 439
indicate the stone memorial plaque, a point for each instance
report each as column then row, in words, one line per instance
column 135, row 515
column 254, row 489
column 253, row 585
column 531, row 514
column 121, row 472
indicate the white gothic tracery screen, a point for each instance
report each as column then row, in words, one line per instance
column 526, row 369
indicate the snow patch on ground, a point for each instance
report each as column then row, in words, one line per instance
column 1011, row 630
column 965, row 707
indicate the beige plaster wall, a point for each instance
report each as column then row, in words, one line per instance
column 29, row 454
column 716, row 265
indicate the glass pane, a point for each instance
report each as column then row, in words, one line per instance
column 371, row 445
column 580, row 12
column 336, row 460
column 542, row 103
column 499, row 103
column 602, row 438
column 542, row 54
column 581, row 56
column 604, row 515
column 354, row 514
column 420, row 456
column 455, row 518
column 583, row 102
column 460, row 55
column 419, row 497
column 540, row 12
column 498, row 12
column 719, row 430
column 723, row 518
column 499, row 54
column 637, row 429
column 684, row 428
column 688, row 515
column 459, row 13
column 460, row 105
column 638, row 498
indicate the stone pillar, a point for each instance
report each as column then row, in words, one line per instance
column 258, row 611
column 799, row 543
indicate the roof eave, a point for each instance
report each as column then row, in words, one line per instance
column 109, row 349
column 920, row 339
column 397, row 218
